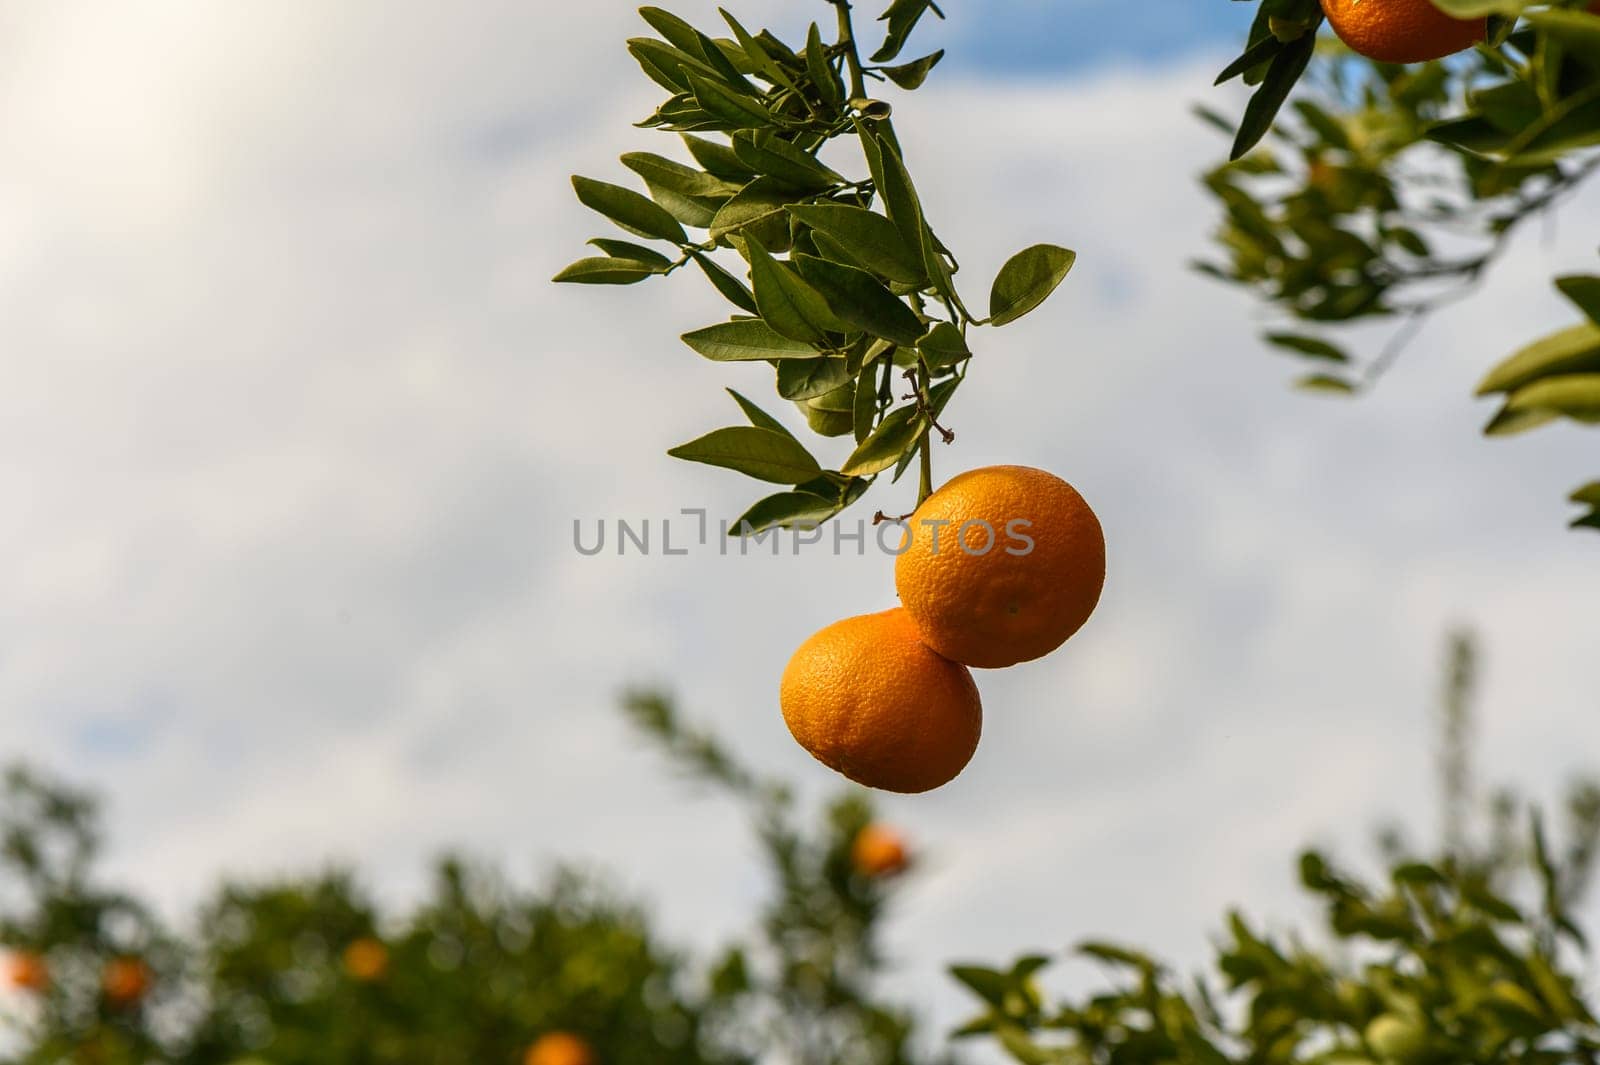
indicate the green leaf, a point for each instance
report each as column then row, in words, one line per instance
column 905, row 209
column 629, row 210
column 943, row 346
column 823, row 75
column 766, row 153
column 746, row 340
column 667, row 66
column 659, row 171
column 1588, row 496
column 1286, row 68
column 763, row 454
column 809, row 378
column 718, row 159
column 788, row 303
column 758, row 417
column 867, row 237
column 785, row 510
column 677, row 32
column 1573, row 350
column 606, row 271
column 911, row 75
column 988, row 984
column 759, row 206
column 1575, row 396
column 737, row 110
column 1326, row 383
column 1115, row 955
column 1258, row 53
column 1310, row 347
column 1026, row 280
column 1507, row 422
column 902, row 16
column 622, row 249
column 895, row 436
column 1584, row 291
column 732, row 289
column 858, row 300
column 866, row 405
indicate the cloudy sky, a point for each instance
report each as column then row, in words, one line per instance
column 294, row 431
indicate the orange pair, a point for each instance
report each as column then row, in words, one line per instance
column 1000, row 566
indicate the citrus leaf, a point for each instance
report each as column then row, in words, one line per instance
column 629, row 209
column 1286, row 68
column 789, row 304
column 1026, row 280
column 760, row 453
column 1576, row 396
column 767, row 154
column 943, row 346
column 746, row 340
column 785, row 511
column 622, row 249
column 911, row 75
column 1310, row 347
column 759, row 205
column 897, row 434
column 758, row 417
column 735, row 109
column 823, row 75
column 867, row 237
column 718, row 159
column 1573, row 350
column 606, row 271
column 732, row 289
column 808, row 378
column 1326, row 383
column 858, row 300
column 1584, row 292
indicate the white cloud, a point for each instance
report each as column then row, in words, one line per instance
column 295, row 430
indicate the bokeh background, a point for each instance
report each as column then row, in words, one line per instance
column 294, row 431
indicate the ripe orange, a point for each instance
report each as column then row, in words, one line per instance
column 878, row 851
column 125, row 980
column 366, row 959
column 1004, row 564
column 1401, row 31
column 867, row 698
column 560, row 1048
column 27, row 971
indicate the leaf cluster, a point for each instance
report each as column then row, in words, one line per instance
column 839, row 284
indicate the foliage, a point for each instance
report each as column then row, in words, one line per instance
column 1387, row 192
column 842, row 285
column 474, row 971
column 1469, row 957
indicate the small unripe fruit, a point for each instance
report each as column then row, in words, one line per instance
column 1397, row 1038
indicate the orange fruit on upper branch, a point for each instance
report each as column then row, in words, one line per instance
column 560, row 1048
column 1401, row 31
column 869, row 699
column 1003, row 565
column 27, row 971
column 878, row 851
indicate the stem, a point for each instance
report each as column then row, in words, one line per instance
column 852, row 57
column 925, row 481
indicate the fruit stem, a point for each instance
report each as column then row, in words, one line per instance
column 925, row 480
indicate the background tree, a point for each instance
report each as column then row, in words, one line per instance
column 1383, row 193
column 1470, row 954
column 310, row 970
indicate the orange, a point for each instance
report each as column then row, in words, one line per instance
column 1003, row 564
column 1401, row 31
column 125, row 980
column 27, row 971
column 560, row 1048
column 878, row 851
column 366, row 959
column 867, row 698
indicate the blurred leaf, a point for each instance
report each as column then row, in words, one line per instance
column 1584, row 291
column 1311, row 347
column 1575, row 396
column 1326, row 383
